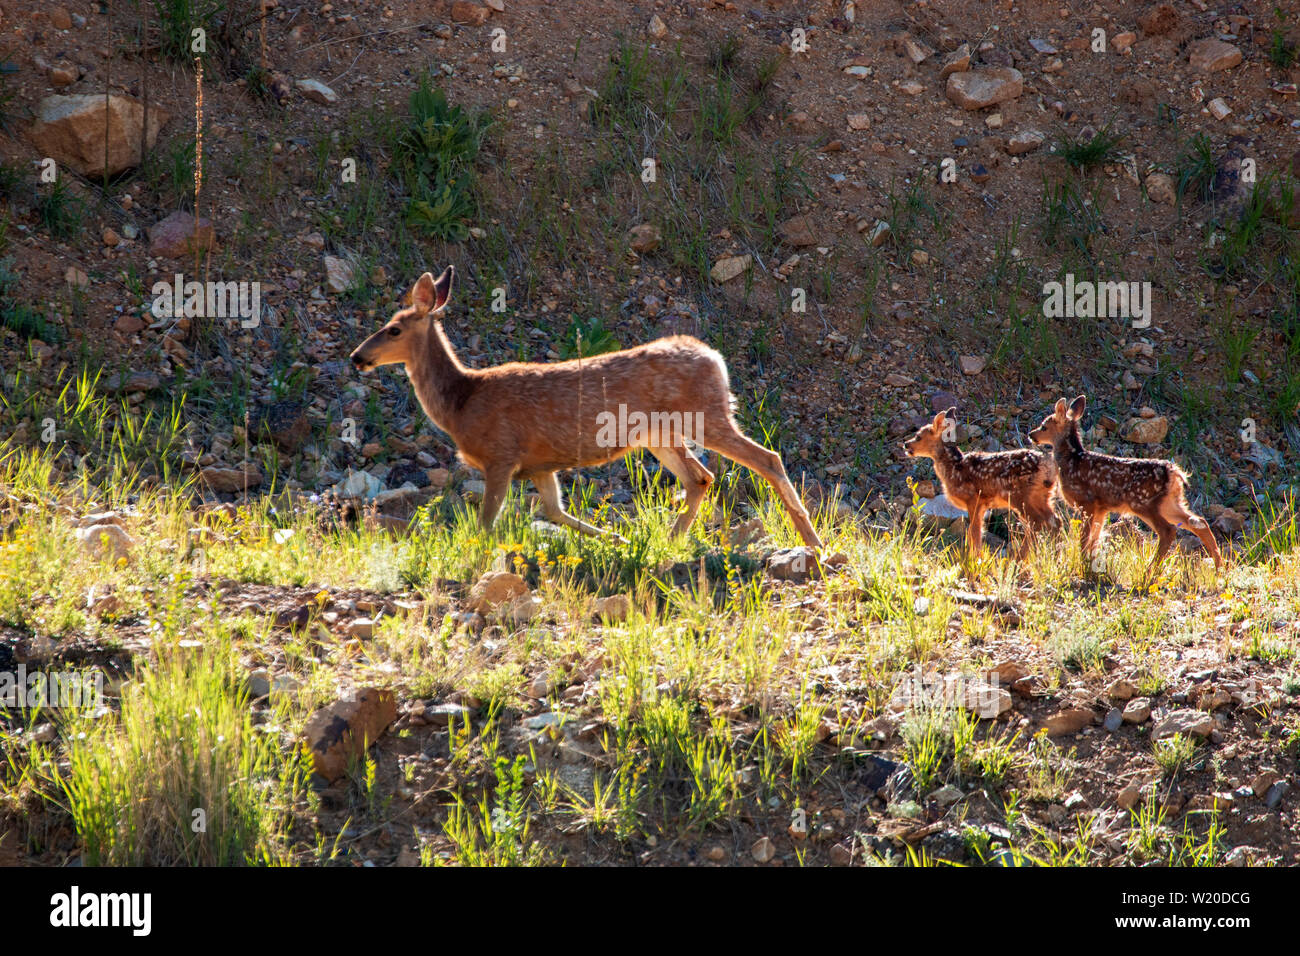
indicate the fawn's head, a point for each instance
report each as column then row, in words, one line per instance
column 1060, row 423
column 406, row 333
column 926, row 442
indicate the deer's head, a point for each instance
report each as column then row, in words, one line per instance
column 926, row 442
column 407, row 332
column 1060, row 423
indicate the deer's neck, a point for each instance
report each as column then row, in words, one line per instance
column 1069, row 447
column 441, row 383
column 947, row 459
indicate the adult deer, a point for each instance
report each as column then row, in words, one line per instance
column 529, row 420
column 1098, row 485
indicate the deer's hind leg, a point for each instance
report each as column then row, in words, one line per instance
column 1176, row 512
column 736, row 446
column 695, row 479
column 548, row 488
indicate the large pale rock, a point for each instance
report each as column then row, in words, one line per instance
column 105, row 540
column 342, row 731
column 976, row 89
column 70, row 129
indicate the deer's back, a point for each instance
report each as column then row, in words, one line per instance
column 550, row 416
column 1094, row 480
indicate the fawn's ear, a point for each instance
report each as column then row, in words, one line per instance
column 938, row 421
column 430, row 294
column 951, row 414
column 1059, row 410
column 1076, row 408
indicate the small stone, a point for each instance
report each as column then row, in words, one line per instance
column 1184, row 721
column 859, row 121
column 60, row 19
column 1211, row 55
column 1068, row 721
column 1137, row 711
column 1160, row 188
column 1276, row 793
column 762, row 850
column 614, row 608
column 717, row 854
column 110, row 238
column 1218, row 108
column 338, row 274
column 799, row 231
column 656, row 28
column 472, row 14
column 972, row 364
column 1121, row 689
column 644, row 238
column 958, row 61
column 797, row 565
column 363, row 628
column 1147, row 431
column 1114, row 720
column 104, row 540
column 1025, row 141
column 343, row 730
column 180, row 234
column 1159, row 20
column 977, row 89
column 232, row 480
column 1128, row 797
column 317, row 92
column 1263, row 781
column 494, row 589
column 897, row 380
column 728, row 268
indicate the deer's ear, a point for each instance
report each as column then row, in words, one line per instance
column 423, row 293
column 951, row 413
column 938, row 421
column 1076, row 408
column 1059, row 410
column 442, row 288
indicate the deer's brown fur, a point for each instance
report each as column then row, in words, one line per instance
column 1099, row 485
column 529, row 420
column 1023, row 480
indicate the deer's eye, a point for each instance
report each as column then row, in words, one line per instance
column 394, row 332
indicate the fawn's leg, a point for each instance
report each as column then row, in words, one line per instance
column 695, row 479
column 1166, row 533
column 975, row 529
column 495, row 486
column 1093, row 522
column 732, row 443
column 1180, row 514
column 548, row 488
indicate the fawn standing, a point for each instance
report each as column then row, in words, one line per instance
column 1023, row 480
column 529, row 420
column 1098, row 485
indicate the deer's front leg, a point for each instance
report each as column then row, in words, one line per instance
column 496, row 484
